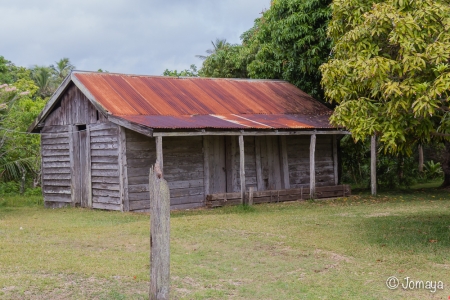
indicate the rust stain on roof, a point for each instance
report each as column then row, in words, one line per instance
column 170, row 102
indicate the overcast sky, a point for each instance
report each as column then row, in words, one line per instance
column 134, row 36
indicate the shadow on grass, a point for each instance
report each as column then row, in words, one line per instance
column 428, row 232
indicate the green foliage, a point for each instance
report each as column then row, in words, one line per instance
column 191, row 72
column 392, row 170
column 390, row 71
column 433, row 170
column 289, row 42
column 225, row 62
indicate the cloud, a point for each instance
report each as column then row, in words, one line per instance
column 135, row 36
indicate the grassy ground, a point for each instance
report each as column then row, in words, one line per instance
column 340, row 249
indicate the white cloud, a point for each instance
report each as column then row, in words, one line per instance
column 134, row 36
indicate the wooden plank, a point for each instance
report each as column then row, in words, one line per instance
column 104, row 159
column 159, row 236
column 206, row 174
column 110, row 200
column 242, row 168
column 259, row 178
column 104, row 139
column 105, row 166
column 159, row 153
column 56, row 164
column 105, row 193
column 56, row 176
column 84, row 166
column 65, row 198
column 103, row 179
column 57, row 171
column 138, row 196
column 140, row 205
column 72, row 154
column 54, row 152
column 109, row 152
column 284, row 163
column 132, row 180
column 51, row 159
column 57, row 190
column 55, row 129
column 58, row 182
column 105, row 173
column 103, row 132
column 179, row 193
column 312, row 171
column 106, row 186
column 104, row 146
column 247, row 133
column 55, row 141
column 123, row 170
column 335, row 161
column 106, row 206
column 373, row 164
column 185, row 184
column 103, row 126
column 132, row 126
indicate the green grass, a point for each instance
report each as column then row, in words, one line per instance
column 339, row 249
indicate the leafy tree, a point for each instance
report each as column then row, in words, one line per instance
column 218, row 45
column 191, row 72
column 44, row 78
column 62, row 68
column 390, row 71
column 226, row 62
column 290, row 42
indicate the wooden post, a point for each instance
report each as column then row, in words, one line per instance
column 312, row 167
column 373, row 165
column 206, row 165
column 285, row 184
column 159, row 153
column 159, row 236
column 420, row 159
column 335, row 160
column 242, row 167
column 259, row 179
column 250, row 195
column 123, row 170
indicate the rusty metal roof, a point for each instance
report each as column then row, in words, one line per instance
column 187, row 102
column 232, row 121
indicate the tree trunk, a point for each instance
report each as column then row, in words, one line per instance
column 446, row 166
column 420, row 159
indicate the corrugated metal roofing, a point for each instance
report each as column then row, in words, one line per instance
column 171, row 102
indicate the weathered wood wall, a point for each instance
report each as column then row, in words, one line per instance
column 56, row 176
column 298, row 160
column 105, row 166
column 79, row 155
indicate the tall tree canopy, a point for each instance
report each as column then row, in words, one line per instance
column 390, row 71
column 287, row 42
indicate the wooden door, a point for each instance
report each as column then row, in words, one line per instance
column 81, row 179
column 217, row 170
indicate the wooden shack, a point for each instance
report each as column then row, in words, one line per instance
column 214, row 139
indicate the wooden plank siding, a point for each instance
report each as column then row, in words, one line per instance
column 105, row 167
column 56, row 177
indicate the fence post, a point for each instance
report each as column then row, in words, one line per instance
column 159, row 235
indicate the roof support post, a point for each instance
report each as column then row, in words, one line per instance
column 159, row 153
column 312, row 167
column 335, row 160
column 373, row 165
column 206, row 165
column 242, row 167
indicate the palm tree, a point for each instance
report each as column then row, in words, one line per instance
column 43, row 77
column 62, row 68
column 218, row 45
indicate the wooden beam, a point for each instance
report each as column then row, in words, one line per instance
column 259, row 177
column 284, row 163
column 89, row 166
column 159, row 153
column 123, row 170
column 247, row 133
column 206, row 165
column 242, row 167
column 373, row 165
column 335, row 161
column 159, row 237
column 132, row 126
column 312, row 167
